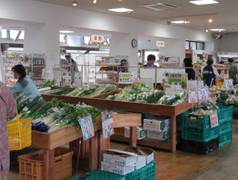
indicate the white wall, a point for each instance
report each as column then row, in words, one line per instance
column 53, row 16
column 228, row 43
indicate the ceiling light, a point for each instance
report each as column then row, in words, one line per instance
column 74, row 3
column 204, row 2
column 94, row 1
column 206, row 30
column 120, row 10
column 180, row 22
column 66, row 31
column 217, row 30
column 210, row 20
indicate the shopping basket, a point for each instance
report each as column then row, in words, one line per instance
column 19, row 133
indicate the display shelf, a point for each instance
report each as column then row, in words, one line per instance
column 50, row 141
column 161, row 110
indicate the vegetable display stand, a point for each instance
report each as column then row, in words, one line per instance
column 154, row 109
column 50, row 141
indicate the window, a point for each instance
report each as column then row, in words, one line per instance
column 4, row 33
column 195, row 45
column 63, row 38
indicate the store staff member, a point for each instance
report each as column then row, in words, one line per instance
column 24, row 83
column 210, row 73
column 150, row 61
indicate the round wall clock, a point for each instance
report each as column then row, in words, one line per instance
column 134, row 43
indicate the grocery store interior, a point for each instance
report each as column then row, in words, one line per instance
column 118, row 89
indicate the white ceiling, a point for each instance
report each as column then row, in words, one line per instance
column 224, row 14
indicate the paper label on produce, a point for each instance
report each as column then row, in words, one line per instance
column 214, row 119
column 87, row 128
column 107, row 124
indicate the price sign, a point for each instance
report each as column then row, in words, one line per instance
column 87, row 128
column 124, row 78
column 192, row 97
column 203, row 94
column 107, row 123
column 214, row 119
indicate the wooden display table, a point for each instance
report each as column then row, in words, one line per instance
column 58, row 138
column 161, row 110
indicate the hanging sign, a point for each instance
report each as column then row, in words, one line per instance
column 87, row 128
column 107, row 124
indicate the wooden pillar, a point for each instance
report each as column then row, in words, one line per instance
column 133, row 136
column 49, row 161
column 93, row 157
column 173, row 134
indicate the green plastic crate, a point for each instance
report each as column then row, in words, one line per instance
column 225, row 114
column 225, row 127
column 146, row 173
column 200, row 135
column 225, row 139
column 197, row 122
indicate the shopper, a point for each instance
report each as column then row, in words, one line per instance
column 189, row 68
column 150, row 61
column 7, row 109
column 210, row 73
column 24, row 83
column 73, row 67
column 123, row 66
column 232, row 70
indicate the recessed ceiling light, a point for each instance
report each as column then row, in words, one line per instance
column 217, row 30
column 210, row 20
column 66, row 31
column 204, row 2
column 206, row 30
column 95, row 1
column 74, row 3
column 121, row 10
column 180, row 22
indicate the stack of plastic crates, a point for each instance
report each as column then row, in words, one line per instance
column 146, row 173
column 197, row 134
column 225, row 116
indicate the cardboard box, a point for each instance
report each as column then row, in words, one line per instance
column 157, row 125
column 146, row 154
column 140, row 133
column 121, row 158
column 163, row 136
column 117, row 169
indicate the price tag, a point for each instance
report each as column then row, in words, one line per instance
column 124, row 77
column 107, row 123
column 203, row 94
column 87, row 128
column 214, row 119
column 192, row 97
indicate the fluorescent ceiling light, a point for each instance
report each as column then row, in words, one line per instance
column 121, row 10
column 180, row 22
column 66, row 31
column 204, row 2
column 217, row 30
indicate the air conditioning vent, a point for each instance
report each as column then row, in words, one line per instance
column 159, row 6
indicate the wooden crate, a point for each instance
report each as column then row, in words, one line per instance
column 31, row 166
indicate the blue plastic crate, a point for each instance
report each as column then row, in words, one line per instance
column 225, row 139
column 225, row 127
column 197, row 122
column 200, row 135
column 225, row 114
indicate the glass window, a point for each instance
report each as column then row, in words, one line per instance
column 187, row 45
column 63, row 38
column 200, row 46
column 4, row 33
column 22, row 35
column 13, row 34
column 193, row 45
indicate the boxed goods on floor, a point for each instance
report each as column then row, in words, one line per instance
column 156, row 127
column 31, row 166
column 139, row 131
